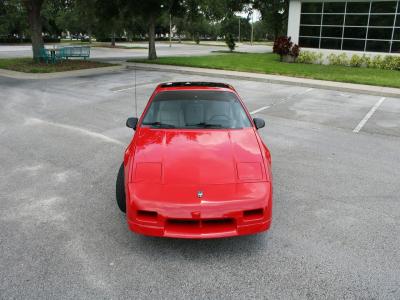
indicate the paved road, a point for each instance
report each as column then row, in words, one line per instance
column 117, row 54
column 335, row 231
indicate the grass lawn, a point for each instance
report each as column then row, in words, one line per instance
column 269, row 63
column 27, row 65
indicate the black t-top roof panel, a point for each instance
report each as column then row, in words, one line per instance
column 195, row 83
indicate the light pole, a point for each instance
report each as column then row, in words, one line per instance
column 170, row 30
column 252, row 29
column 239, row 29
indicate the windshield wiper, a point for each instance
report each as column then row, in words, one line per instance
column 207, row 125
column 160, row 125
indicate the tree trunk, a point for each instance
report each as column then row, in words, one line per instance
column 152, row 38
column 113, row 40
column 33, row 8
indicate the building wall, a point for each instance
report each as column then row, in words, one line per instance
column 294, row 20
column 372, row 26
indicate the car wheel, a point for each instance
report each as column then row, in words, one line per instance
column 120, row 189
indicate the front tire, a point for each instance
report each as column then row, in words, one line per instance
column 120, row 189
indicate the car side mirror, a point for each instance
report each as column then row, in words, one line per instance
column 132, row 122
column 260, row 123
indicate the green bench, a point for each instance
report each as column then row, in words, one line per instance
column 58, row 54
column 75, row 51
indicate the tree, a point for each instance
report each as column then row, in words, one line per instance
column 275, row 14
column 230, row 41
column 33, row 8
column 230, row 25
column 260, row 30
column 13, row 21
column 111, row 17
column 151, row 12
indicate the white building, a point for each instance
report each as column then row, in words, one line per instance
column 346, row 25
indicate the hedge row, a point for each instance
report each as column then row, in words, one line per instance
column 387, row 62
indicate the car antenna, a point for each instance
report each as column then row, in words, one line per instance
column 135, row 91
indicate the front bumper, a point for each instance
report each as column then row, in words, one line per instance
column 198, row 232
column 201, row 220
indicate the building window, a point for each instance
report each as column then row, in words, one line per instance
column 378, row 46
column 353, row 25
column 309, row 42
column 334, row 7
column 379, row 7
column 355, row 45
column 331, row 31
column 331, row 43
column 396, row 47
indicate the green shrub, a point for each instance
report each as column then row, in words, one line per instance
column 391, row 62
column 338, row 60
column 310, row 57
column 230, row 41
column 356, row 61
column 366, row 61
column 197, row 38
column 388, row 62
column 377, row 62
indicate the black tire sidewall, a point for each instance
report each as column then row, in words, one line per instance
column 120, row 189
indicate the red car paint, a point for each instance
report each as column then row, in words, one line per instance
column 165, row 169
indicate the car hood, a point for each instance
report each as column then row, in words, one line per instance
column 194, row 157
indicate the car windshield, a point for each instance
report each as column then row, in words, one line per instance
column 196, row 109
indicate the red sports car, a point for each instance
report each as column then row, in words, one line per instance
column 196, row 166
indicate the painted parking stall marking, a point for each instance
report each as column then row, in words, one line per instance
column 279, row 102
column 368, row 115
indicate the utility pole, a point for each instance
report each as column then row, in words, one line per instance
column 239, row 29
column 170, row 30
column 252, row 29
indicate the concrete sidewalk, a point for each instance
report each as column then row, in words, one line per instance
column 305, row 82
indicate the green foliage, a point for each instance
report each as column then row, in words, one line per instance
column 310, row 57
column 366, row 61
column 387, row 62
column 377, row 62
column 230, row 41
column 275, row 15
column 230, row 25
column 391, row 62
column 197, row 38
column 338, row 59
column 356, row 61
column 13, row 20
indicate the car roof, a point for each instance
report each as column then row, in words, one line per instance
column 195, row 85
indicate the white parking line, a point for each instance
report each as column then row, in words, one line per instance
column 34, row 121
column 126, row 89
column 368, row 115
column 279, row 102
column 260, row 109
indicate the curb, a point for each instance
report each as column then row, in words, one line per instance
column 74, row 73
column 304, row 82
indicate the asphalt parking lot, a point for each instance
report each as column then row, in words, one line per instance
column 335, row 232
